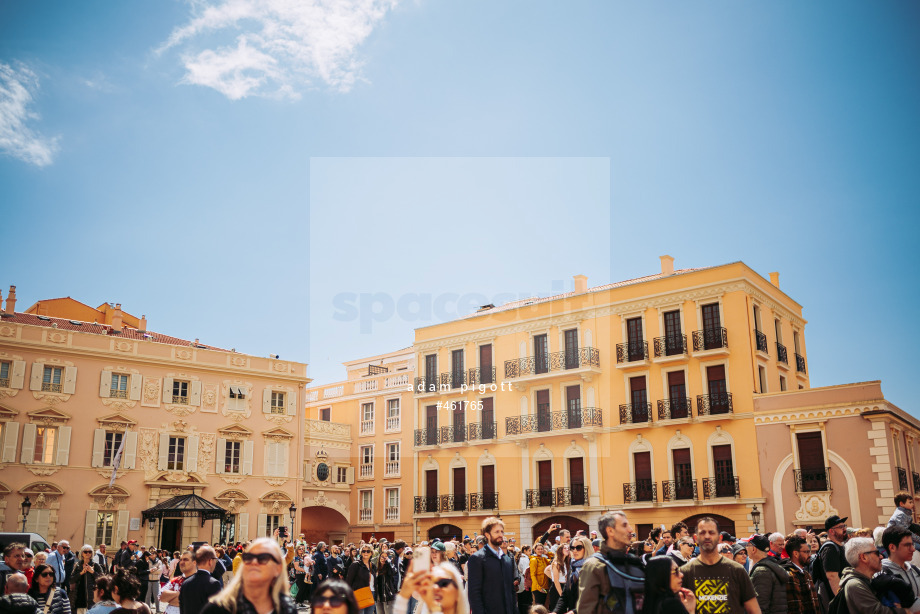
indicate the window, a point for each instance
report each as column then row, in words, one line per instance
column 812, row 474
column 180, row 392
column 175, row 459
column 456, row 369
column 392, row 498
column 367, row 418
column 635, row 348
column 119, row 387
column 677, row 395
column 366, row 511
column 782, row 383
column 52, row 379
column 392, row 467
column 541, row 354
column 570, row 340
column 105, row 528
column 485, row 364
column 762, row 375
column 724, row 469
column 712, row 328
column 5, row 368
column 367, row 461
column 276, row 458
column 341, row 475
column 272, row 522
column 278, row 406
column 673, row 338
column 719, row 398
column 112, row 443
column 683, row 474
column 237, row 398
column 638, row 399
column 393, row 415
column 431, row 373
column 45, row 438
column 325, row 414
column 232, row 457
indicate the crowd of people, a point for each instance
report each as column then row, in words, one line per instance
column 697, row 569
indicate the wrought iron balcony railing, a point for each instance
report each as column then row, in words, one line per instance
column 632, row 352
column 183, row 400
column 50, row 387
column 714, row 488
column 781, row 353
column 477, row 431
column 452, row 434
column 426, row 437
column 711, row 404
column 710, row 339
column 555, row 421
column 812, row 480
column 118, row 394
column 477, row 376
column 428, row 504
column 761, row 341
column 671, row 345
column 557, row 497
column 902, row 478
column 640, row 491
column 634, row 413
column 800, row 363
column 675, row 409
column 474, row 431
column 557, row 361
column 424, row 384
column 483, row 501
column 453, row 503
column 679, row 490
column 4, row 382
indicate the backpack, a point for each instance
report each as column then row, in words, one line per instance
column 627, row 590
column 528, row 580
column 838, row 604
column 818, row 574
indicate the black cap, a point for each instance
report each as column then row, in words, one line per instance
column 727, row 537
column 761, row 542
column 833, row 521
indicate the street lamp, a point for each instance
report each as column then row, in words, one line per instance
column 755, row 518
column 293, row 511
column 26, row 506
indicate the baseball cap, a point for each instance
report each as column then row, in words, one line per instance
column 761, row 542
column 596, row 543
column 439, row 545
column 727, row 537
column 132, row 541
column 833, row 521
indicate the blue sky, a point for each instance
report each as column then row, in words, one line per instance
column 231, row 169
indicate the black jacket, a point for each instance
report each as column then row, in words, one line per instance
column 491, row 583
column 19, row 603
column 319, row 567
column 335, row 567
column 196, row 591
column 358, row 576
column 384, row 582
column 82, row 586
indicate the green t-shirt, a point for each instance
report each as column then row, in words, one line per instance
column 721, row 588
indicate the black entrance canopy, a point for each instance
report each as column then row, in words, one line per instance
column 184, row 506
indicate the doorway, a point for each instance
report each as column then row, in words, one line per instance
column 171, row 534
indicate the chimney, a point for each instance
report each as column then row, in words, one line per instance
column 143, row 324
column 581, row 284
column 11, row 300
column 116, row 319
column 667, row 265
column 774, row 279
column 1, row 300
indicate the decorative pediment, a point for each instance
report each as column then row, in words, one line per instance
column 4, row 489
column 109, row 497
column 178, row 478
column 48, row 415
column 43, row 494
column 117, row 421
column 227, row 495
column 235, row 432
column 277, row 434
column 7, row 414
column 276, row 495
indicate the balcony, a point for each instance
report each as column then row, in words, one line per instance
column 365, row 515
column 640, row 491
column 902, row 478
column 177, row 398
column 710, row 339
column 480, row 376
column 391, row 514
column 366, row 470
column 557, row 497
column 478, row 431
column 118, row 394
column 474, row 431
column 555, row 421
column 812, row 480
column 427, row 505
column 632, row 352
column 367, row 427
column 635, row 413
column 800, row 363
column 480, row 501
column 781, row 353
column 391, row 469
column 426, row 437
column 452, row 503
column 712, row 404
column 674, row 346
column 675, row 409
column 679, row 490
column 557, row 361
column 4, row 382
column 393, row 423
column 424, row 385
column 452, row 434
column 761, row 341
column 716, row 488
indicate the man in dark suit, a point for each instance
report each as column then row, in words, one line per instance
column 490, row 573
column 320, row 569
column 196, row 590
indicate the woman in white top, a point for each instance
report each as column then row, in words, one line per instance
column 439, row 590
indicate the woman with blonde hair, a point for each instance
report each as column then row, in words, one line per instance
column 440, row 590
column 260, row 587
column 581, row 550
column 558, row 571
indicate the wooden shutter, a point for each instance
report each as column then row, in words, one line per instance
column 10, row 440
column 191, row 453
column 28, row 444
column 268, row 459
column 291, row 403
column 63, row 446
column 89, row 527
column 121, row 527
column 431, row 482
column 70, row 380
column 672, row 324
column 167, row 389
column 194, row 397
column 811, row 451
column 221, row 456
column 35, row 379
column 98, row 449
column 18, row 375
column 711, row 319
column 459, row 485
column 262, row 530
column 545, row 474
column 576, row 471
column 488, row 478
column 42, row 520
column 247, row 457
column 129, row 457
column 267, row 401
column 163, row 452
column 137, row 381
column 485, row 364
column 642, row 461
column 350, row 475
column 105, row 385
column 243, row 519
column 283, row 449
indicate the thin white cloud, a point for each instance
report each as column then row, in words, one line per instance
column 17, row 86
column 275, row 48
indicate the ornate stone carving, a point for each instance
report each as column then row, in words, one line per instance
column 180, row 425
column 117, row 404
column 322, row 500
column 276, row 481
column 8, row 392
column 150, row 396
column 230, row 479
column 179, row 410
column 43, row 470
column 281, row 367
column 109, row 497
column 107, row 474
column 147, row 452
column 184, row 354
column 51, row 398
column 56, row 337
column 278, row 418
column 238, row 361
column 7, row 331
column 209, row 398
column 815, row 507
column 325, row 429
column 123, row 346
column 176, row 476
column 207, row 444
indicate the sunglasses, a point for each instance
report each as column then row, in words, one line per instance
column 66, row 547
column 444, row 583
column 264, row 558
column 47, row 574
column 335, row 601
column 578, row 548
